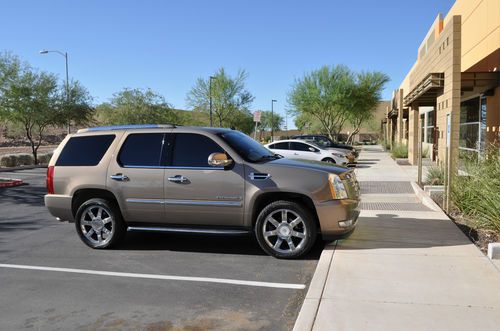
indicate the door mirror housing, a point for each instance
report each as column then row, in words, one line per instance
column 312, row 149
column 219, row 160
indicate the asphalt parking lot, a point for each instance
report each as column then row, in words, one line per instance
column 144, row 284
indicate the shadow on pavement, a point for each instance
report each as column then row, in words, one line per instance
column 242, row 245
column 26, row 194
column 389, row 231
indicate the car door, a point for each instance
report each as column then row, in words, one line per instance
column 303, row 151
column 197, row 193
column 136, row 177
column 282, row 148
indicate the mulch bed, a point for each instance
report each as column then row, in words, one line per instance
column 480, row 237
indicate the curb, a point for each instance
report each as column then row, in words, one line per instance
column 424, row 198
column 309, row 309
column 11, row 182
column 22, row 168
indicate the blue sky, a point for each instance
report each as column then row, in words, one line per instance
column 167, row 45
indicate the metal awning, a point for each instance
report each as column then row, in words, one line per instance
column 426, row 91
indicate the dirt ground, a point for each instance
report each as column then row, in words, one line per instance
column 26, row 149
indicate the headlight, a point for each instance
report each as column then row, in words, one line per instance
column 337, row 187
column 338, row 155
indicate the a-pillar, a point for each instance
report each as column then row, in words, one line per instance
column 413, row 126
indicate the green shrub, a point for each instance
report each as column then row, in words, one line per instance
column 435, row 176
column 399, row 151
column 44, row 158
column 16, row 160
column 477, row 193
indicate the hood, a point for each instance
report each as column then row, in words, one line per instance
column 306, row 164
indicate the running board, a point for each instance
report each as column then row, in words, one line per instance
column 176, row 229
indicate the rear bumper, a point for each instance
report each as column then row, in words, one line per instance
column 337, row 217
column 59, row 206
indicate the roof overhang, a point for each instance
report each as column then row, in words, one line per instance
column 426, row 91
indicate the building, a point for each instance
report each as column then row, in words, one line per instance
column 450, row 98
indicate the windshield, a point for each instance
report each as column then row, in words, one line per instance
column 323, row 142
column 246, row 147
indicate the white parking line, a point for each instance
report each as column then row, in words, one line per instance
column 162, row 277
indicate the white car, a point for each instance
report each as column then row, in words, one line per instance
column 306, row 150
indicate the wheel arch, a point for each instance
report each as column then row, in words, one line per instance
column 82, row 195
column 266, row 198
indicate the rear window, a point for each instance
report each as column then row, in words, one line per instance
column 279, row 146
column 142, row 150
column 84, row 151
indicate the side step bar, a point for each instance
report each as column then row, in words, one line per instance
column 175, row 229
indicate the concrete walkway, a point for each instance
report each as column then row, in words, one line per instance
column 405, row 267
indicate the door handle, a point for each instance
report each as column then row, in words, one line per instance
column 295, row 153
column 178, row 179
column 119, row 177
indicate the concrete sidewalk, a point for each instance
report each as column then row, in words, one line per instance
column 405, row 267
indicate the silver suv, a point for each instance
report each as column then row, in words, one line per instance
column 110, row 180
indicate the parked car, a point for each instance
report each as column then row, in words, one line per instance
column 307, row 150
column 200, row 180
column 326, row 142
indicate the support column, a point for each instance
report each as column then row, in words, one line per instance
column 400, row 125
column 413, row 117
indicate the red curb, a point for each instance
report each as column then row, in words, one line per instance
column 11, row 183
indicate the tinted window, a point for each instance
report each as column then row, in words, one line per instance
column 246, row 147
column 299, row 147
column 279, row 146
column 84, row 151
column 192, row 150
column 142, row 150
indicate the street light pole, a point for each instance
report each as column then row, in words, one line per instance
column 210, row 91
column 272, row 119
column 65, row 55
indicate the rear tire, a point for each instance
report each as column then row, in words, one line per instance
column 285, row 229
column 99, row 223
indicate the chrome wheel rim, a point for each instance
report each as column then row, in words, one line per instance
column 284, row 231
column 96, row 224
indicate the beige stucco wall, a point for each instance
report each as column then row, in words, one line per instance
column 480, row 29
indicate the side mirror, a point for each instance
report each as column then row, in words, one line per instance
column 312, row 149
column 219, row 160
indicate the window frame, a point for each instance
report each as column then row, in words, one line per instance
column 164, row 153
column 172, row 148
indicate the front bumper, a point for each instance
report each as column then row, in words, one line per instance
column 337, row 217
column 59, row 206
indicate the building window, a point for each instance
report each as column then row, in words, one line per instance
column 472, row 127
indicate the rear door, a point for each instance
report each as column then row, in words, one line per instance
column 136, row 175
column 197, row 193
column 281, row 148
column 303, row 151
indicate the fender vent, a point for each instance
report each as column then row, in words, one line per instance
column 259, row 176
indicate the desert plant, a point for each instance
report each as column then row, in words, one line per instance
column 399, row 151
column 476, row 194
column 435, row 176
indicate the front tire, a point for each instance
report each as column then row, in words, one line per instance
column 329, row 160
column 99, row 223
column 285, row 229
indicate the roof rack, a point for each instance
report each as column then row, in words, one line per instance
column 128, row 127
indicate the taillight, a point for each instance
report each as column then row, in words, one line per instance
column 50, row 180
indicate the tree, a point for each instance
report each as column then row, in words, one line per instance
column 78, row 106
column 324, row 95
column 34, row 100
column 368, row 89
column 266, row 122
column 136, row 106
column 229, row 96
